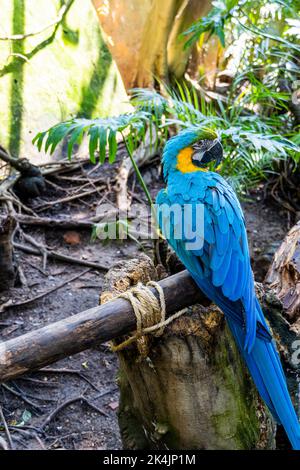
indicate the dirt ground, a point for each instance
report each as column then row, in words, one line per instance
column 45, row 409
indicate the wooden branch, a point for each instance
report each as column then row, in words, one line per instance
column 67, row 223
column 19, row 164
column 60, row 257
column 63, row 223
column 86, row 329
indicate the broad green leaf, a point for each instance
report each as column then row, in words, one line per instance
column 93, row 143
column 38, row 139
column 97, row 131
column 112, row 143
column 102, row 144
column 75, row 138
column 56, row 136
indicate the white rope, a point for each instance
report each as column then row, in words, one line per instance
column 149, row 311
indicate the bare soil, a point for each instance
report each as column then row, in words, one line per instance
column 30, row 401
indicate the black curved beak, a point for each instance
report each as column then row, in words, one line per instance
column 202, row 157
column 216, row 153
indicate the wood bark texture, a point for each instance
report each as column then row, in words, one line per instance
column 7, row 267
column 284, row 274
column 189, row 388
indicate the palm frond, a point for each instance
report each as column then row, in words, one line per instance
column 213, row 23
column 150, row 101
column 102, row 134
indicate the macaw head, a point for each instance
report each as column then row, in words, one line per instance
column 192, row 150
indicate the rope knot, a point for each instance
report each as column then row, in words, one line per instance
column 150, row 313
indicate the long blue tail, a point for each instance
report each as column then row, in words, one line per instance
column 266, row 370
column 263, row 362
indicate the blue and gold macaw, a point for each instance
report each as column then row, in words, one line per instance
column 221, row 265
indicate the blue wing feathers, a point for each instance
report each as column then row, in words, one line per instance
column 236, row 225
column 216, row 260
column 229, row 213
column 209, row 234
column 215, row 201
column 236, row 295
column 222, row 222
column 222, row 270
column 222, row 199
column 231, row 279
column 222, row 240
column 219, row 276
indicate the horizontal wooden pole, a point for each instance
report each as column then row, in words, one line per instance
column 53, row 342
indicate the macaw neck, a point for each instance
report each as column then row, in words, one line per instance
column 177, row 175
column 184, row 183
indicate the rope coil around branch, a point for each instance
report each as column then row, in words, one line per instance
column 149, row 311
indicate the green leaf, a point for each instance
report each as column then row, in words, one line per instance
column 102, row 143
column 75, row 138
column 97, row 131
column 220, row 33
column 113, row 146
column 93, row 143
column 58, row 133
column 38, row 139
column 213, row 23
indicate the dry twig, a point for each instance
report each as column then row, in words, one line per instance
column 44, row 294
column 61, row 257
column 72, row 372
column 68, row 402
column 63, row 200
column 6, row 429
column 22, row 396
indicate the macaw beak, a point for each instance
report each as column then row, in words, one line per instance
column 203, row 158
column 218, row 150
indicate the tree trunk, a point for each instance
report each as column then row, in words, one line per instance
column 7, row 268
column 189, row 388
column 284, row 274
column 283, row 283
column 143, row 36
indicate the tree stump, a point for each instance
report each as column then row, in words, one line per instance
column 284, row 274
column 282, row 286
column 189, row 388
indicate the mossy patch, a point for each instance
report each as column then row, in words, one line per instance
column 64, row 71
